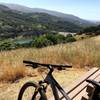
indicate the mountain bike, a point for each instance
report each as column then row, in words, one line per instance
column 40, row 88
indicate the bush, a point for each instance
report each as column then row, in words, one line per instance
column 60, row 38
column 70, row 38
column 55, row 38
column 52, row 38
column 41, row 41
column 7, row 45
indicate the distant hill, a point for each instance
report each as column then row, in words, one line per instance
column 4, row 8
column 93, row 30
column 66, row 17
column 14, row 23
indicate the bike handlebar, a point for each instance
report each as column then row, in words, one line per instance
column 35, row 65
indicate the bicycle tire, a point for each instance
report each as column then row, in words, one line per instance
column 33, row 84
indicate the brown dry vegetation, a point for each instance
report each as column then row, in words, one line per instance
column 85, row 53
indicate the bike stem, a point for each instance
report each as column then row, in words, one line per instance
column 50, row 70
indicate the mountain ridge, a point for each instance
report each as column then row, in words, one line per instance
column 15, row 23
column 66, row 17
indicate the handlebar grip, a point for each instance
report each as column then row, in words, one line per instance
column 67, row 66
column 28, row 62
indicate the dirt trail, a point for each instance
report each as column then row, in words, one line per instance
column 10, row 91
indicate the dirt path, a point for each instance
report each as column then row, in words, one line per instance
column 10, row 91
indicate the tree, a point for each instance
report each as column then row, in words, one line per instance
column 60, row 38
column 7, row 45
column 51, row 38
column 70, row 38
column 41, row 41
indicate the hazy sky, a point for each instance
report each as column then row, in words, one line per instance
column 87, row 9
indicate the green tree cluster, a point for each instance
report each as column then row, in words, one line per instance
column 93, row 30
column 51, row 39
column 37, row 41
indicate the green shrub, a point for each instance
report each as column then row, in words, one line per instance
column 41, row 41
column 60, row 38
column 70, row 38
column 7, row 45
column 52, row 38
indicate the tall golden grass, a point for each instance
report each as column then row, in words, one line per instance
column 85, row 53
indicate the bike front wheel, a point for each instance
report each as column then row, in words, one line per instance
column 31, row 91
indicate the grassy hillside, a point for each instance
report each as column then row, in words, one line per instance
column 14, row 24
column 83, row 54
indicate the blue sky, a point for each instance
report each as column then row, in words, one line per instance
column 86, row 9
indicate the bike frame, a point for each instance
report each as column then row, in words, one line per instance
column 55, row 85
column 49, row 79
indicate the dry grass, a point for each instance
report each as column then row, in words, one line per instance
column 11, row 73
column 84, row 53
